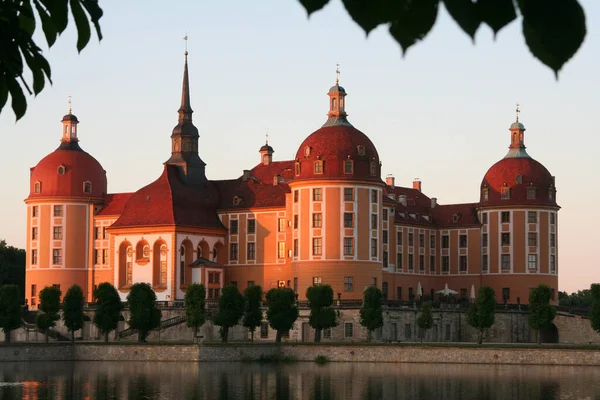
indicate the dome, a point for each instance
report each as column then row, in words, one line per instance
column 63, row 173
column 70, row 117
column 517, row 125
column 333, row 145
column 336, row 89
column 266, row 147
column 518, row 175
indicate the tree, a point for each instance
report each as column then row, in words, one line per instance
column 10, row 310
column 322, row 315
column 231, row 309
column 108, row 308
column 425, row 319
column 73, row 310
column 594, row 313
column 252, row 313
column 144, row 315
column 195, row 306
column 481, row 314
column 542, row 313
column 282, row 311
column 17, row 27
column 49, row 306
column 553, row 29
column 579, row 299
column 371, row 312
column 12, row 265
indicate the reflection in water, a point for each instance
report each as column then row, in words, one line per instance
column 250, row 381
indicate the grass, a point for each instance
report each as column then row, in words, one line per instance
column 275, row 358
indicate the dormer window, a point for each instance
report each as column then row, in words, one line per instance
column 505, row 193
column 37, row 187
column 456, row 218
column 297, row 168
column 318, row 167
column 519, row 179
column 373, row 168
column 307, row 151
column 87, row 187
column 485, row 194
column 531, row 192
column 551, row 193
column 61, row 170
column 361, row 150
column 348, row 166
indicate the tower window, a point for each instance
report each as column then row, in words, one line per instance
column 61, row 170
column 531, row 192
column 348, row 166
column 37, row 188
column 317, row 246
column 58, row 211
column 361, row 150
column 317, row 194
column 317, row 220
column 87, row 187
column 485, row 193
column 505, row 193
column 318, row 167
column 348, row 194
column 297, row 167
column 373, row 168
column 532, row 217
column 505, row 239
column 519, row 179
column 333, row 102
column 532, row 261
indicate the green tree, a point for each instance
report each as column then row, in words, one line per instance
column 594, row 313
column 252, row 313
column 108, row 308
column 19, row 51
column 73, row 310
column 481, row 314
column 10, row 310
column 282, row 311
column 322, row 315
column 542, row 313
column 144, row 315
column 579, row 299
column 49, row 306
column 371, row 312
column 231, row 309
column 195, row 306
column 12, row 265
column 425, row 319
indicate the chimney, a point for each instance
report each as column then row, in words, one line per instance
column 390, row 180
column 417, row 184
column 433, row 202
column 246, row 175
column 402, row 199
column 275, row 180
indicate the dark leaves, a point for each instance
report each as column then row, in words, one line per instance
column 553, row 29
column 313, row 5
column 412, row 23
column 83, row 26
column 496, row 13
column 466, row 15
column 368, row 14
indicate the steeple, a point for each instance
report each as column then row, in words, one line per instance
column 517, row 139
column 266, row 152
column 69, row 140
column 337, row 113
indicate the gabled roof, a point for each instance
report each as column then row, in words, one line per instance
column 203, row 262
column 114, row 203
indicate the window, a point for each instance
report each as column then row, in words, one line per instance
column 297, row 168
column 462, row 241
column 348, row 246
column 34, row 233
column 411, row 239
column 57, row 256
column 432, row 240
column 485, row 194
column 296, row 284
column 532, row 238
column 296, row 221
column 411, row 294
column 317, row 194
column 385, row 259
column 553, row 240
column 373, row 196
column 361, row 150
column 33, row 290
column 407, row 331
column 505, row 216
column 505, row 262
column 384, row 290
column 552, row 263
column 505, row 239
column 295, row 196
column 34, row 256
column 421, row 240
column 105, row 256
column 348, row 194
column 58, row 211
column 317, row 222
column 281, row 250
column 281, row 222
column 445, row 264
column 373, row 168
column 421, row 263
column 34, row 211
column 233, row 283
column 318, row 167
column 484, row 218
column 431, row 263
column 410, row 262
column 146, row 251
column 295, row 247
column 531, row 192
column 264, row 330
column 97, row 257
column 251, row 225
column 317, row 246
column 348, row 330
column 87, row 187
column 348, row 166
column 399, row 262
column 551, row 193
column 445, row 241
column 348, row 220
column 37, row 188
column 58, row 233
column 385, row 237
column 532, row 261
column 348, row 283
column 463, row 263
column 504, row 193
column 519, row 179
column 484, row 263
column 506, row 293
column 484, row 240
column 97, row 232
column 327, row 333
column 234, row 251
column 373, row 221
column 373, row 247
column 385, row 214
column 399, row 237
column 316, row 280
column 251, row 251
column 399, row 293
column 233, row 227
column 552, row 218
column 532, row 217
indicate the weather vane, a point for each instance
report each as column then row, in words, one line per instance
column 267, row 136
column 337, row 73
column 518, row 111
column 186, row 39
column 70, row 104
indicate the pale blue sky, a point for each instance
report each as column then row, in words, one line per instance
column 441, row 113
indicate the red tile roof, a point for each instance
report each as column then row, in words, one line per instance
column 114, row 203
column 456, row 215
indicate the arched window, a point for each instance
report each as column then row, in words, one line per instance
column 61, row 170
column 87, row 187
column 163, row 264
column 519, row 179
column 182, row 265
column 37, row 188
column 129, row 267
column 199, row 252
column 333, row 103
column 485, row 194
column 373, row 168
column 505, row 193
column 361, row 150
column 297, row 168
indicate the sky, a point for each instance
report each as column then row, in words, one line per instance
column 440, row 113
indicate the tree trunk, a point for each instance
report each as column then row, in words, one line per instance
column 195, row 338
column 318, row 335
column 225, row 334
column 73, row 337
column 480, row 336
column 369, row 335
column 252, row 335
column 7, row 336
column 46, row 335
column 106, row 336
column 539, row 336
column 278, row 337
column 140, row 336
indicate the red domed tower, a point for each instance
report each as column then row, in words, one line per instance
column 64, row 188
column 518, row 211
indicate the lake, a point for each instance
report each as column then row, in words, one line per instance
column 162, row 380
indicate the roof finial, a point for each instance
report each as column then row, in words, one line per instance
column 70, row 104
column 186, row 39
column 518, row 111
column 267, row 136
column 337, row 73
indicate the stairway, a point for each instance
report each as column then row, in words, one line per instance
column 54, row 334
column 164, row 324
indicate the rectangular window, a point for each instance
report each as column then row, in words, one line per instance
column 384, row 290
column 34, row 211
column 58, row 211
column 264, row 330
column 531, row 192
column 318, row 167
column 411, row 294
column 97, row 257
column 505, row 262
column 348, row 246
column 506, row 293
column 34, row 233
column 505, row 217
column 410, row 262
column 432, row 240
column 463, row 263
column 347, row 166
column 281, row 225
column 407, row 331
column 104, row 256
column 281, row 250
column 104, row 234
column 399, row 293
column 552, row 218
column 33, row 290
column 553, row 240
column 316, row 280
column 348, row 283
column 97, row 232
column 58, row 233
column 385, row 214
column 385, row 237
column 296, row 284
column 431, row 263
column 445, row 241
column 462, row 241
column 399, row 262
column 373, row 247
column 233, row 227
column 532, row 217
column 484, row 263
column 348, row 220
column 296, row 221
column 484, row 240
column 504, row 193
column 234, row 251
column 505, row 239
column 348, row 194
column 295, row 196
column 373, row 221
column 373, row 196
column 385, row 259
column 57, row 256
column 532, row 261
column 399, row 237
column 421, row 240
column 552, row 263
column 295, row 247
column 317, row 246
column 327, row 333
column 233, row 283
column 34, row 256
column 317, row 222
column 317, row 194
column 445, row 263
column 532, row 238
column 484, row 218
column 217, row 279
column 421, row 263
column 251, row 225
column 411, row 240
column 251, row 251
column 348, row 330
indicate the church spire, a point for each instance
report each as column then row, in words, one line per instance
column 185, row 111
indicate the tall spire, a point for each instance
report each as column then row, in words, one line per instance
column 337, row 111
column 185, row 111
column 517, row 139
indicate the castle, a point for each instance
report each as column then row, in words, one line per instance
column 324, row 217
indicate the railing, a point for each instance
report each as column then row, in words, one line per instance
column 51, row 332
column 210, row 303
column 582, row 312
column 164, row 324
